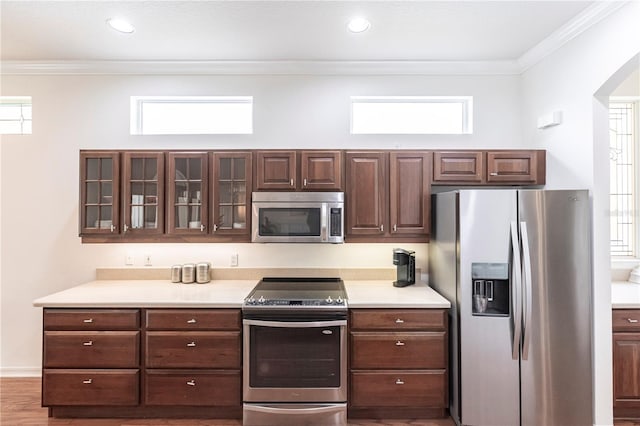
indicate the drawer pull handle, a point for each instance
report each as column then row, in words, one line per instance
column 89, row 343
column 632, row 321
column 192, row 321
column 399, row 343
column 88, row 320
column 399, row 382
column 494, row 174
column 87, row 382
column 399, row 321
column 191, row 345
column 191, row 382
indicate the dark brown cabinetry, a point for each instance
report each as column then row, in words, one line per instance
column 388, row 194
column 508, row 167
column 398, row 363
column 143, row 193
column 187, row 193
column 99, row 193
column 91, row 357
column 626, row 362
column 298, row 170
column 231, row 183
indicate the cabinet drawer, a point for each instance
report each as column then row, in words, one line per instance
column 193, row 319
column 90, row 387
column 626, row 320
column 461, row 166
column 91, row 319
column 399, row 388
column 398, row 319
column 398, row 350
column 165, row 387
column 193, row 349
column 97, row 349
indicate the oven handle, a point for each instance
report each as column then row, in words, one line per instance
column 302, row 410
column 295, row 324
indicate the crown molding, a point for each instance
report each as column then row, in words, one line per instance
column 576, row 26
column 260, row 67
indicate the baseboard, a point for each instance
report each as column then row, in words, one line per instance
column 20, row 372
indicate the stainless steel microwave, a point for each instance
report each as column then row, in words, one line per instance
column 297, row 217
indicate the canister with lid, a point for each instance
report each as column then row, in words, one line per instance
column 176, row 273
column 188, row 273
column 202, row 272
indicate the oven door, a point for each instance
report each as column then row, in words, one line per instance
column 294, row 361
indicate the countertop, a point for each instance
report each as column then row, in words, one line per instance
column 226, row 294
column 625, row 295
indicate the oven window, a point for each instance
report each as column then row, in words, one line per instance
column 294, row 357
column 294, row 222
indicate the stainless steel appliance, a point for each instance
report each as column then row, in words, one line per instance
column 516, row 267
column 297, row 217
column 405, row 261
column 295, row 352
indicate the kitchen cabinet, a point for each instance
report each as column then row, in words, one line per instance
column 398, row 363
column 91, row 357
column 298, row 170
column 493, row 167
column 99, row 192
column 626, row 362
column 388, row 195
column 187, row 193
column 231, row 184
column 143, row 193
column 192, row 357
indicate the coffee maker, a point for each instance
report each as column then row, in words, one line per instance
column 405, row 261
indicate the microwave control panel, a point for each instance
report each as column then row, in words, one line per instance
column 336, row 222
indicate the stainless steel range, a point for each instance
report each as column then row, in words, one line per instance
column 294, row 356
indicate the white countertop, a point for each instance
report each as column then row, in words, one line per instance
column 225, row 294
column 625, row 295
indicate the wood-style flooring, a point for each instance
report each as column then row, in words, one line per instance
column 20, row 405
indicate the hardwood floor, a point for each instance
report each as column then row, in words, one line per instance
column 20, row 405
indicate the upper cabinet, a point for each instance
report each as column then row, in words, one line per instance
column 187, row 192
column 366, row 195
column 143, row 193
column 231, row 193
column 517, row 167
column 99, row 192
column 409, row 193
column 298, row 170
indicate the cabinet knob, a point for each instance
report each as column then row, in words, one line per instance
column 399, row 382
column 191, row 382
column 191, row 345
column 399, row 343
column 201, row 227
column 88, row 320
column 304, row 182
column 395, row 227
column 87, row 382
column 192, row 321
column 113, row 228
column 215, row 227
column 125, row 228
column 632, row 321
column 381, row 228
column 89, row 343
column 399, row 321
column 291, row 182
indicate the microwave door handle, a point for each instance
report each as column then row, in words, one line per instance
column 324, row 213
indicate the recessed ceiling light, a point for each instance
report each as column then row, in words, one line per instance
column 358, row 25
column 120, row 25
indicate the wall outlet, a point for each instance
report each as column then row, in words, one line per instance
column 128, row 259
column 234, row 259
column 147, row 260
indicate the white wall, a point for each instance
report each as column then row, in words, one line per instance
column 41, row 250
column 578, row 153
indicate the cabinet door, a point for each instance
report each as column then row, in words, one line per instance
column 99, row 192
column 321, row 170
column 188, row 193
column 275, row 170
column 231, row 193
column 143, row 193
column 458, row 166
column 410, row 192
column 513, row 167
column 366, row 195
column 626, row 370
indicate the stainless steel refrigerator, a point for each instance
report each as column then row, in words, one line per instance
column 516, row 267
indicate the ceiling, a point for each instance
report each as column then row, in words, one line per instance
column 279, row 30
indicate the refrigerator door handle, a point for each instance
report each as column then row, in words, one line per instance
column 516, row 288
column 528, row 290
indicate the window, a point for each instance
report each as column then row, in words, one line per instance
column 15, row 115
column 411, row 114
column 184, row 115
column 623, row 155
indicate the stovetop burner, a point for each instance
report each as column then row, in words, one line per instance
column 297, row 293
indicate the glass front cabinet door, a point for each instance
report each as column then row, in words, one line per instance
column 187, row 193
column 143, row 193
column 231, row 193
column 99, row 193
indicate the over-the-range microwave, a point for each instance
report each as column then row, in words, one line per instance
column 297, row 217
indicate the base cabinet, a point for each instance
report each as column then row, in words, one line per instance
column 626, row 363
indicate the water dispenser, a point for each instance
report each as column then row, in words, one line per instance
column 490, row 289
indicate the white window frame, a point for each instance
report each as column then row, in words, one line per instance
column 137, row 104
column 466, row 101
column 635, row 256
column 18, row 102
